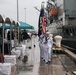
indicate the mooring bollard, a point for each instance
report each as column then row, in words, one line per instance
column 58, row 39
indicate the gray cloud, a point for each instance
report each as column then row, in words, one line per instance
column 9, row 8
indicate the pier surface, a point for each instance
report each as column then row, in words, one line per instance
column 61, row 64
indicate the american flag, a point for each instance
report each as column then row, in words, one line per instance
column 43, row 25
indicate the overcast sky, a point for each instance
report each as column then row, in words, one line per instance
column 9, row 8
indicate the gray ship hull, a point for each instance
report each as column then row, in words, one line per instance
column 69, row 40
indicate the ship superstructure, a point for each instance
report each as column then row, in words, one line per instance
column 62, row 20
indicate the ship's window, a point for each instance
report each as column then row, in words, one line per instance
column 61, row 19
column 73, row 31
column 51, row 20
column 70, row 30
column 63, row 30
column 67, row 32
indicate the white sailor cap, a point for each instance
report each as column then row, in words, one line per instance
column 47, row 32
column 50, row 35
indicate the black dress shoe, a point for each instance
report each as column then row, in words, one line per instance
column 49, row 62
column 44, row 60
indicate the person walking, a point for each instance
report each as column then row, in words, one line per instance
column 50, row 44
column 41, row 46
column 25, row 37
column 45, row 47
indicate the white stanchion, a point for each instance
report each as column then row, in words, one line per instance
column 5, row 68
column 58, row 39
column 16, row 52
column 19, row 48
column 12, row 42
column 22, row 49
column 10, row 59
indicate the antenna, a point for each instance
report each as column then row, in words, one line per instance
column 36, row 8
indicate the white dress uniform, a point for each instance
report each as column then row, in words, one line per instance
column 45, row 48
column 41, row 47
column 48, row 49
column 50, row 44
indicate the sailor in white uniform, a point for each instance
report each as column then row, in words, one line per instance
column 50, row 44
column 48, row 47
column 41, row 46
column 44, row 47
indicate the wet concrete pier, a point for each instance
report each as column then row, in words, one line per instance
column 61, row 64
